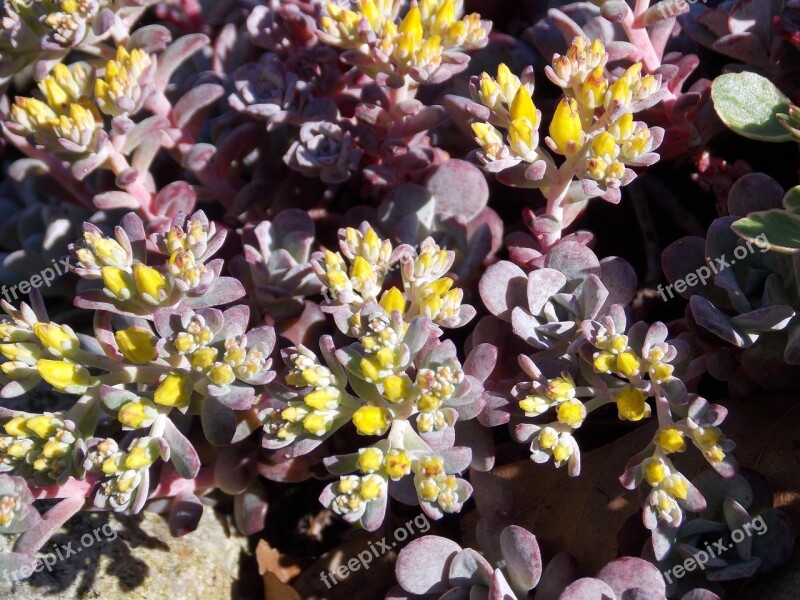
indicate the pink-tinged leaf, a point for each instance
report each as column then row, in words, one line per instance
column 198, row 157
column 469, row 568
column 194, row 101
column 754, row 192
column 223, row 291
column 459, row 187
column 182, row 454
column 250, row 510
column 177, row 52
column 574, row 260
column 631, row 572
column 185, row 513
column 499, row 588
column 150, row 38
column 502, row 287
column 151, row 126
column 35, row 538
column 588, row 589
column 233, row 471
column 422, row 566
column 542, row 285
column 523, row 558
column 114, row 200
column 481, row 441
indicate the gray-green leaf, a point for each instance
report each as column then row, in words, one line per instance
column 749, row 104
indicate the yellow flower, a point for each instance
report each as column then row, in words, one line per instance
column 221, row 374
column 370, row 487
column 627, row 364
column 323, row 398
column 431, row 466
column 655, row 471
column 572, row 413
column 548, row 437
column 203, row 358
column 565, row 128
column 604, row 362
column 370, row 459
column 398, row 464
column 64, row 376
column 522, row 106
column 428, row 490
column 137, row 344
column 562, row 451
column 631, row 404
column 671, row 440
column 397, row 388
column 174, row 390
column 534, row 405
column 21, row 351
column 371, row 420
column 151, row 284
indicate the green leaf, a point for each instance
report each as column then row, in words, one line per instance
column 780, row 228
column 749, row 104
column 791, row 201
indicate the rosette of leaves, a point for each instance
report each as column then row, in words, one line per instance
column 566, row 286
column 743, row 309
column 395, row 138
column 764, row 536
column 451, row 208
column 276, row 263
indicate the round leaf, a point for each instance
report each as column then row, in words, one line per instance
column 749, row 104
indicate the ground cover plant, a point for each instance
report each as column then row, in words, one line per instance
column 521, row 275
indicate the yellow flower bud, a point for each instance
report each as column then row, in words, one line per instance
column 137, row 344
column 140, row 456
column 118, row 282
column 428, row 490
column 174, row 390
column 565, row 128
column 660, row 372
column 221, row 375
column 371, row 420
column 135, row 415
column 677, row 486
column 548, row 437
column 534, row 405
column 522, row 107
column 55, row 338
column 627, row 364
column 411, row 25
column 17, row 426
column 55, row 448
column 655, row 471
column 604, row 362
column 203, row 358
column 671, row 440
column 150, row 282
column 21, row 351
column 631, row 404
column 562, row 451
column 393, row 300
column 316, row 423
column 64, row 376
column 43, row 426
column 323, row 399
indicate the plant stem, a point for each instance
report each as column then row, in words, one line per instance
column 639, row 38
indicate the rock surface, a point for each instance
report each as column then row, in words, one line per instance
column 135, row 557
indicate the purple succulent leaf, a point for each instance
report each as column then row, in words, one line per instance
column 542, row 285
column 469, row 568
column 588, row 588
column 152, row 126
column 663, row 537
column 711, row 318
column 439, row 441
column 457, row 459
column 754, row 192
column 194, row 101
column 558, row 574
column 459, row 188
column 219, row 422
column 175, row 54
column 374, row 513
column 741, row 570
column 250, row 510
column 631, row 572
column 115, row 200
column 502, row 287
column 736, row 517
column 523, row 558
column 422, row 566
column 233, row 472
column 769, row 318
column 481, row 441
column 35, row 538
column 185, row 512
column 182, row 454
column 222, row 291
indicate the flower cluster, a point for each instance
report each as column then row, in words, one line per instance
column 125, row 474
column 426, row 45
column 592, row 127
column 42, row 445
